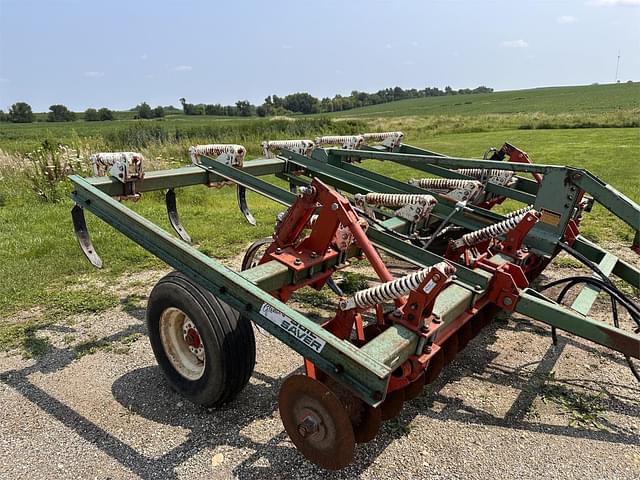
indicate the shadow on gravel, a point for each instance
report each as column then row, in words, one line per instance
column 144, row 392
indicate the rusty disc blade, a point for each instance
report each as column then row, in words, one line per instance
column 316, row 422
column 435, row 367
column 450, row 348
column 414, row 389
column 365, row 419
column 392, row 405
column 465, row 334
column 365, row 428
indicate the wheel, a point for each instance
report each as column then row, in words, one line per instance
column 204, row 348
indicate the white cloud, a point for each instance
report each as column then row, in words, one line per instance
column 183, row 68
column 514, row 44
column 615, row 3
column 144, row 56
column 93, row 74
column 566, row 19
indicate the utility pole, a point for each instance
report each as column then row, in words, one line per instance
column 617, row 67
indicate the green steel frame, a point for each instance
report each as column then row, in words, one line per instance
column 367, row 370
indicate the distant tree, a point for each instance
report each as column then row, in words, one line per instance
column 300, row 102
column 144, row 110
column 60, row 113
column 91, row 115
column 244, row 108
column 105, row 114
column 20, row 112
column 158, row 112
column 3, row 116
column 216, row 109
column 261, row 111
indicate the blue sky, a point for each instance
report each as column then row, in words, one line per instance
column 87, row 53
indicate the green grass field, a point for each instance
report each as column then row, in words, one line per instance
column 40, row 260
column 591, row 99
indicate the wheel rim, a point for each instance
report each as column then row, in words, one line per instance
column 182, row 343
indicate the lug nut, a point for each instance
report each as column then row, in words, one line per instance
column 308, row 426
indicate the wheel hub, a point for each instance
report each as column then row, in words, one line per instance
column 182, row 343
column 192, row 338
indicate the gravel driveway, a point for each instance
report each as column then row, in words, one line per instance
column 510, row 406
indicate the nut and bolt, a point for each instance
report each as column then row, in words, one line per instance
column 297, row 261
column 314, row 255
column 414, row 306
column 436, row 277
column 507, row 301
column 334, row 206
column 308, row 426
column 278, row 251
column 397, row 313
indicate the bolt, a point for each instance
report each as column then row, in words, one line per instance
column 436, row 277
column 397, row 313
column 308, row 426
column 314, row 255
column 411, row 317
column 297, row 261
column 278, row 251
column 334, row 207
column 477, row 287
column 424, row 328
column 338, row 368
column 507, row 301
column 414, row 306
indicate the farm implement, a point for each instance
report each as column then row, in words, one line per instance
column 387, row 341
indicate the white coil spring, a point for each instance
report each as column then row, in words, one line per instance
column 445, row 183
column 235, row 152
column 495, row 230
column 349, row 142
column 395, row 199
column 500, row 177
column 101, row 161
column 381, row 136
column 303, row 147
column 397, row 288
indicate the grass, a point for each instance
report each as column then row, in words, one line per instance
column 581, row 100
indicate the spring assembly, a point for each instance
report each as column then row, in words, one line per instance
column 229, row 154
column 102, row 161
column 303, row 147
column 348, row 142
column 500, row 177
column 493, row 231
column 389, row 291
column 395, row 199
column 445, row 183
column 388, row 139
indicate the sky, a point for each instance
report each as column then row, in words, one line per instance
column 90, row 53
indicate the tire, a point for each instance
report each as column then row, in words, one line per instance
column 211, row 366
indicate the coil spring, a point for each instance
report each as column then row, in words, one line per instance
column 217, row 149
column 396, row 199
column 495, row 230
column 445, row 183
column 102, row 161
column 397, row 288
column 299, row 146
column 484, row 174
column 347, row 141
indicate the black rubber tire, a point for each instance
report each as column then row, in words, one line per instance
column 228, row 340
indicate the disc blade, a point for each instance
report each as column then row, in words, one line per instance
column 316, row 422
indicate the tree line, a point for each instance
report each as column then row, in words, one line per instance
column 300, row 102
column 306, row 103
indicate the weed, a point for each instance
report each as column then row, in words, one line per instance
column 352, row 282
column 400, row 427
column 132, row 302
column 315, row 298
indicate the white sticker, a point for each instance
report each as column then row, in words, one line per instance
column 429, row 286
column 292, row 327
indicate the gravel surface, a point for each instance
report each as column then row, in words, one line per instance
column 511, row 405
